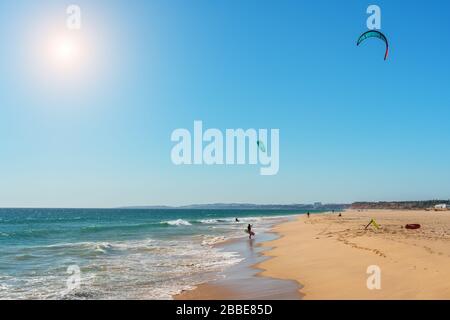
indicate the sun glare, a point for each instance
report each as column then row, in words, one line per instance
column 59, row 59
column 65, row 51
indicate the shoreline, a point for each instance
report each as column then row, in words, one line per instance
column 244, row 280
column 331, row 257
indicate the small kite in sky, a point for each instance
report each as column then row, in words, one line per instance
column 261, row 146
column 374, row 34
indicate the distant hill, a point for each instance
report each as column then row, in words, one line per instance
column 249, row 206
column 398, row 205
column 394, row 205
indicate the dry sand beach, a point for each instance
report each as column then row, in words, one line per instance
column 329, row 255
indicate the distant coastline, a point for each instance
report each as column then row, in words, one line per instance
column 392, row 205
column 318, row 206
column 248, row 206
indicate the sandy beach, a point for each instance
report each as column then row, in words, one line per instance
column 243, row 281
column 329, row 255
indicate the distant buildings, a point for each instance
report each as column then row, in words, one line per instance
column 317, row 205
column 442, row 206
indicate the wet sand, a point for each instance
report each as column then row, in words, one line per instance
column 243, row 281
column 330, row 256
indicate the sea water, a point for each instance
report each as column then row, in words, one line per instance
column 121, row 253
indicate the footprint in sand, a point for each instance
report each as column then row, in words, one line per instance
column 429, row 250
column 378, row 252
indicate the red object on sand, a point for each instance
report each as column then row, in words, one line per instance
column 412, row 226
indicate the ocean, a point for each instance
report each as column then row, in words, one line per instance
column 119, row 253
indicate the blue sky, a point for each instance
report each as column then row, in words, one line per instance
column 352, row 126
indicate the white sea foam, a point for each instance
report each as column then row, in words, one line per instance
column 211, row 240
column 208, row 221
column 240, row 219
column 102, row 247
column 178, row 222
column 137, row 269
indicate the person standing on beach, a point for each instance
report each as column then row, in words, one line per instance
column 308, row 214
column 249, row 230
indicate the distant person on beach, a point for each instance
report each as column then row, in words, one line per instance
column 249, row 230
column 340, row 214
column 308, row 214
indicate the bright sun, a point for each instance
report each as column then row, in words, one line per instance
column 65, row 51
column 59, row 59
